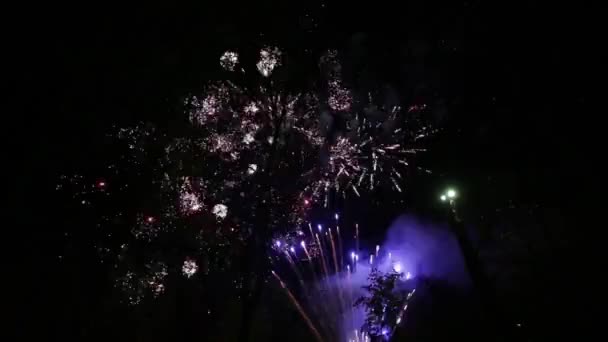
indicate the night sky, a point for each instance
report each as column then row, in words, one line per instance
column 506, row 83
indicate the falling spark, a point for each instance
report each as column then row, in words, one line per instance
column 295, row 302
column 324, row 263
column 396, row 184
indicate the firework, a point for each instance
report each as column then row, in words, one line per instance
column 269, row 59
column 299, row 308
column 330, row 297
column 251, row 151
column 229, row 60
column 220, row 210
column 189, row 268
column 138, row 285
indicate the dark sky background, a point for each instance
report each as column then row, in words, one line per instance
column 508, row 83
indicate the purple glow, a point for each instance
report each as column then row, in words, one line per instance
column 320, row 227
column 278, row 243
column 303, row 244
column 397, row 267
column 425, row 250
column 293, row 250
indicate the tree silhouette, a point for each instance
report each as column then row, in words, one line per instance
column 384, row 303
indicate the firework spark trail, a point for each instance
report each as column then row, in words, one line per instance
column 311, row 264
column 333, row 251
column 350, row 295
column 316, row 310
column 323, row 262
column 333, row 300
column 295, row 268
column 340, row 247
column 337, row 268
column 312, row 235
column 357, row 237
column 295, row 302
column 324, row 293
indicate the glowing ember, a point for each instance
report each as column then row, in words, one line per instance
column 339, row 97
column 229, row 60
column 248, row 138
column 189, row 268
column 220, row 210
column 269, row 59
column 251, row 108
